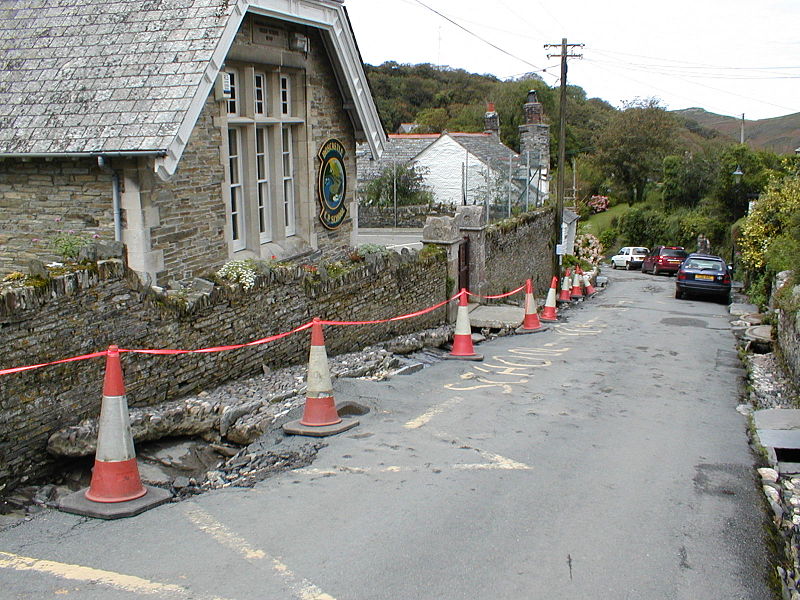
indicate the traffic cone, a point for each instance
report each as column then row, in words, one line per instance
column 320, row 417
column 588, row 288
column 116, row 489
column 549, row 314
column 565, row 296
column 576, row 291
column 530, row 323
column 462, row 340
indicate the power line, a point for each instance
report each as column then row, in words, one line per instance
column 625, row 74
column 475, row 35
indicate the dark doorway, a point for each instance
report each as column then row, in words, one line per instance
column 463, row 265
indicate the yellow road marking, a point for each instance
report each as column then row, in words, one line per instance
column 426, row 417
column 128, row 583
column 300, row 588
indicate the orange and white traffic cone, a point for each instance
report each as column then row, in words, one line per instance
column 588, row 288
column 549, row 314
column 576, row 291
column 565, row 295
column 462, row 339
column 320, row 417
column 116, row 489
column 530, row 323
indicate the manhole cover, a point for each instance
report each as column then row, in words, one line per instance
column 684, row 322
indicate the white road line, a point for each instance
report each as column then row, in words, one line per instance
column 438, row 409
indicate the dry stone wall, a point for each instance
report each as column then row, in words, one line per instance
column 520, row 248
column 105, row 304
column 788, row 317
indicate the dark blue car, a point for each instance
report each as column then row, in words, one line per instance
column 704, row 275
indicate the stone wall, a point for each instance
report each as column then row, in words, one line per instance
column 787, row 301
column 407, row 216
column 328, row 119
column 40, row 199
column 520, row 248
column 189, row 232
column 103, row 304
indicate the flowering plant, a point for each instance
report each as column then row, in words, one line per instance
column 589, row 248
column 239, row 271
column 598, row 204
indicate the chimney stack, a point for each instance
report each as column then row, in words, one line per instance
column 533, row 109
column 491, row 121
column 534, row 133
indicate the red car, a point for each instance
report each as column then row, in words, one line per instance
column 664, row 259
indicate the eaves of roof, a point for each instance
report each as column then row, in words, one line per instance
column 81, row 79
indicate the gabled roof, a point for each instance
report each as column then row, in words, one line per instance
column 399, row 149
column 487, row 147
column 131, row 76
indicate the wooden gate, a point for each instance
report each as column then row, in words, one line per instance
column 463, row 264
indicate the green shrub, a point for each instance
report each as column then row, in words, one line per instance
column 608, row 238
column 68, row 245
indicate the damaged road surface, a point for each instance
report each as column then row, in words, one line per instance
column 573, row 463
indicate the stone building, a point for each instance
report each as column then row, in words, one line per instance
column 193, row 131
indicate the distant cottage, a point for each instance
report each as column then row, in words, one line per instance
column 193, row 131
column 474, row 168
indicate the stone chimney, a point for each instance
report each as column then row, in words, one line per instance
column 491, row 121
column 534, row 134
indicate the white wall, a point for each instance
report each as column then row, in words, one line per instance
column 443, row 160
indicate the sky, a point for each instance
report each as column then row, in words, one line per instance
column 730, row 57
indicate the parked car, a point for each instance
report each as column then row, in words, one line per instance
column 629, row 257
column 664, row 259
column 704, row 275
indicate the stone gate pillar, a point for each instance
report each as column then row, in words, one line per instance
column 471, row 223
column 443, row 232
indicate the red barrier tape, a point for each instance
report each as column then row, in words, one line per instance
column 511, row 293
column 265, row 340
column 399, row 318
column 55, row 362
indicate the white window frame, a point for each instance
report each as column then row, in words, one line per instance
column 287, row 169
column 260, row 94
column 263, row 183
column 286, row 95
column 262, row 170
column 234, row 102
column 237, row 218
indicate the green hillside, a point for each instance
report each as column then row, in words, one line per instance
column 780, row 134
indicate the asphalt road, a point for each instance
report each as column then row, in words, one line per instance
column 601, row 459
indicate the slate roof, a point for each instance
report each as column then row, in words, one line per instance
column 399, row 149
column 487, row 147
column 86, row 76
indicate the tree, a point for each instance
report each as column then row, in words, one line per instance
column 431, row 120
column 408, row 182
column 634, row 144
column 687, row 178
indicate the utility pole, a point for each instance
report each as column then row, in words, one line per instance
column 562, row 139
column 741, row 133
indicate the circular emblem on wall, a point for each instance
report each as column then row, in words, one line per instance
column 332, row 184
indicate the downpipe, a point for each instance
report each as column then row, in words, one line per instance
column 105, row 166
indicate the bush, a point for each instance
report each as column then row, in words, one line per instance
column 608, row 238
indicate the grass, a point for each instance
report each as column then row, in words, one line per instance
column 598, row 223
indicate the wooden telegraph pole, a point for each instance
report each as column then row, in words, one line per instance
column 562, row 139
